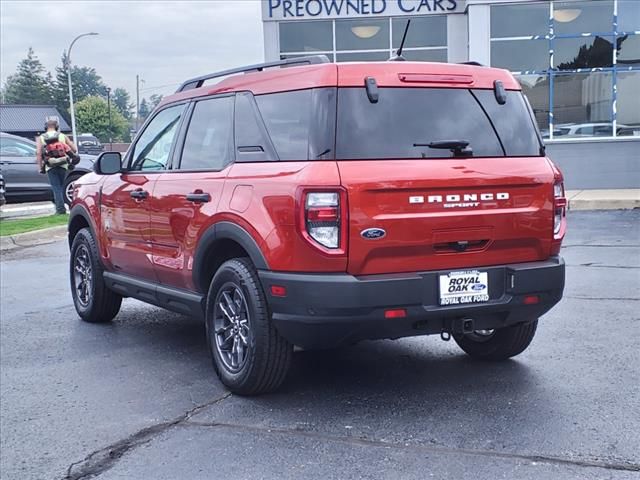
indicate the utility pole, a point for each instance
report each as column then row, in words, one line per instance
column 110, row 128
column 137, row 103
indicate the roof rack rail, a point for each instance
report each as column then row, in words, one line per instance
column 197, row 82
column 477, row 64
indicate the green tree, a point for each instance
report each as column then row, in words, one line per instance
column 154, row 101
column 86, row 83
column 144, row 110
column 122, row 101
column 60, row 89
column 30, row 84
column 92, row 115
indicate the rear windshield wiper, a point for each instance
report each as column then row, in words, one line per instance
column 459, row 148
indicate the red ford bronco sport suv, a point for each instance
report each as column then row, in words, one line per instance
column 318, row 204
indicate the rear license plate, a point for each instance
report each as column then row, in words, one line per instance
column 460, row 288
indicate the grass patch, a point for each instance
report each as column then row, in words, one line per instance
column 13, row 227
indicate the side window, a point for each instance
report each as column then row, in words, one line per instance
column 10, row 147
column 287, row 116
column 209, row 141
column 252, row 141
column 152, row 150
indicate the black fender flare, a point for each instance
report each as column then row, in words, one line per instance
column 80, row 211
column 221, row 231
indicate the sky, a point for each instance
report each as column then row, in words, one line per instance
column 165, row 42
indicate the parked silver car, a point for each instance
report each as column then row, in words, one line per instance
column 23, row 182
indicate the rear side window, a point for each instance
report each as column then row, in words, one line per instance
column 208, row 144
column 512, row 120
column 301, row 124
column 287, row 116
column 405, row 120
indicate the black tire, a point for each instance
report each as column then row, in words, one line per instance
column 501, row 344
column 72, row 177
column 262, row 356
column 94, row 302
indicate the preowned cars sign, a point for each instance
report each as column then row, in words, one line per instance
column 317, row 9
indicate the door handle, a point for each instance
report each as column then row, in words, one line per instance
column 139, row 194
column 198, row 197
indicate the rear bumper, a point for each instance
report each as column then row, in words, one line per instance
column 325, row 310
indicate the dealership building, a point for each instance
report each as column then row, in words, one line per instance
column 578, row 61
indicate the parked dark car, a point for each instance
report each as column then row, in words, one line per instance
column 2, row 199
column 89, row 144
column 23, row 180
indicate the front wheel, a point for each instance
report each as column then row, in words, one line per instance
column 498, row 344
column 249, row 355
column 94, row 302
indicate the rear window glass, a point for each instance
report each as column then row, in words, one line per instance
column 404, row 117
column 512, row 120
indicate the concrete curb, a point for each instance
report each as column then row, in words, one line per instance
column 22, row 210
column 619, row 199
column 30, row 239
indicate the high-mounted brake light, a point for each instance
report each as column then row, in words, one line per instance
column 322, row 218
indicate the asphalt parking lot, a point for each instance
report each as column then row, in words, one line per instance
column 138, row 399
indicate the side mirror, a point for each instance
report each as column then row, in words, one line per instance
column 108, row 163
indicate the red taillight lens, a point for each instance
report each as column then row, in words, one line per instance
column 322, row 218
column 531, row 300
column 559, row 206
column 278, row 291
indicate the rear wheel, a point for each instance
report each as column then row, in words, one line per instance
column 249, row 355
column 94, row 302
column 498, row 344
column 68, row 187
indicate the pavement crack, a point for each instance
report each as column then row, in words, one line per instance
column 434, row 449
column 105, row 458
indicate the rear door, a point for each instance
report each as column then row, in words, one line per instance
column 431, row 207
column 20, row 169
column 186, row 197
column 124, row 206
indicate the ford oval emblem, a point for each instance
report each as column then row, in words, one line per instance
column 373, row 233
column 479, row 286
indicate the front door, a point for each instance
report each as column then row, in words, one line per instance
column 125, row 197
column 185, row 198
column 20, row 170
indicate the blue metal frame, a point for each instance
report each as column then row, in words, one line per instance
column 553, row 72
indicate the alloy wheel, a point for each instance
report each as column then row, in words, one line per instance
column 68, row 192
column 231, row 323
column 82, row 275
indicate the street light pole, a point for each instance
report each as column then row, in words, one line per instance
column 71, row 108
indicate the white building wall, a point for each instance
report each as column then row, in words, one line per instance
column 479, row 28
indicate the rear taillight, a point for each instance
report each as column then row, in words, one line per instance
column 559, row 207
column 322, row 218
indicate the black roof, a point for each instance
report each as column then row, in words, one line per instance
column 28, row 118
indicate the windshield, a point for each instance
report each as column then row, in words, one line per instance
column 433, row 123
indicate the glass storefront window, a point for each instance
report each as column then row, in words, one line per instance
column 628, row 115
column 536, row 88
column 629, row 49
column 306, row 36
column 628, row 15
column 582, row 17
column 363, row 57
column 433, row 55
column 520, row 55
column 583, row 52
column 428, row 31
column 362, row 34
column 519, row 20
column 582, row 104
